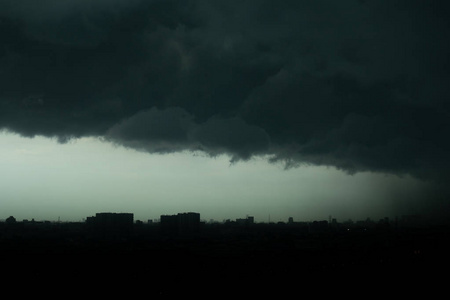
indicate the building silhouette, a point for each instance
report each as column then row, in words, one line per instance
column 111, row 224
column 249, row 220
column 182, row 223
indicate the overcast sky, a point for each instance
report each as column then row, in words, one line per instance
column 259, row 107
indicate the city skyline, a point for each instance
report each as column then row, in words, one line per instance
column 128, row 217
column 417, row 219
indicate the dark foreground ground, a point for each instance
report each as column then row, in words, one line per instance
column 67, row 260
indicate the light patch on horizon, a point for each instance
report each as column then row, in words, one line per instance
column 45, row 180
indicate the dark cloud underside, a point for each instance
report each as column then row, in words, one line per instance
column 360, row 85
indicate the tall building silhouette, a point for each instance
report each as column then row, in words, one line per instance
column 182, row 223
column 111, row 224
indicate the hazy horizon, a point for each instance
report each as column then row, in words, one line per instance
column 45, row 180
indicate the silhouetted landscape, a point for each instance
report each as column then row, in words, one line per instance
column 283, row 108
column 177, row 253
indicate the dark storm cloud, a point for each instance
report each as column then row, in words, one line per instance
column 173, row 129
column 360, row 85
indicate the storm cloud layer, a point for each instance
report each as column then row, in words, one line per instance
column 359, row 85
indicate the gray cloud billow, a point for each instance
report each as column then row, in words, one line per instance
column 173, row 129
column 359, row 85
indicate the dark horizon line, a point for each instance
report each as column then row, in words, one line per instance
column 290, row 220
